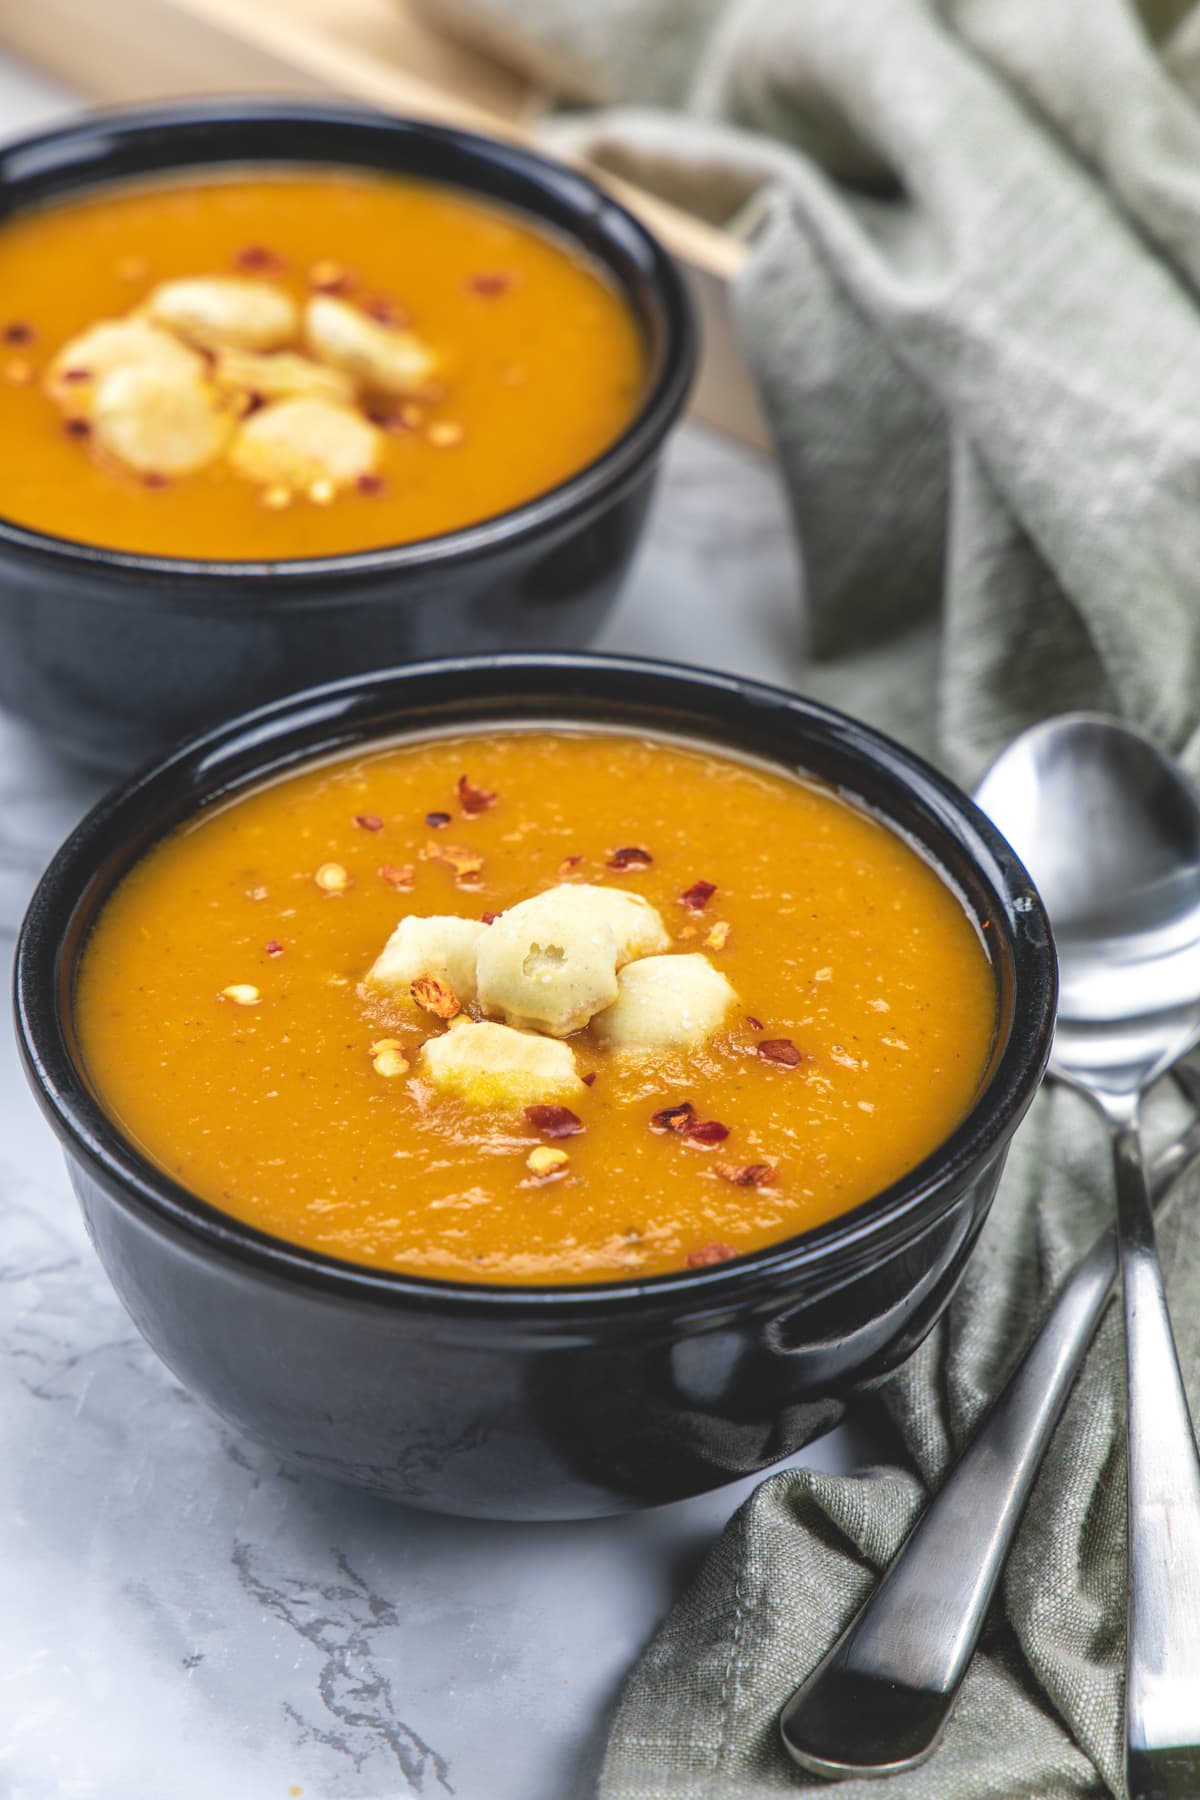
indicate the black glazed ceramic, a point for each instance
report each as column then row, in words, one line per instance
column 112, row 656
column 535, row 1402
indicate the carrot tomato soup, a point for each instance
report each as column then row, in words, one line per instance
column 275, row 365
column 536, row 1006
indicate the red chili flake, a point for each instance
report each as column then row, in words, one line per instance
column 436, row 820
column 568, row 863
column 258, row 259
column 273, row 947
column 392, row 418
column 631, row 857
column 753, row 1023
column 77, row 428
column 435, row 996
column 18, row 332
column 474, row 799
column 704, row 1131
column 780, row 1050
column 77, row 374
column 673, row 1118
column 490, row 284
column 466, row 863
column 489, row 918
column 368, row 821
column 752, row 1175
column 370, row 484
column 710, row 1253
column 398, row 875
column 697, row 897
column 554, row 1121
column 384, row 311
column 587, row 1080
column 155, row 479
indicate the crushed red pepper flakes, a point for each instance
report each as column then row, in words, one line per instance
column 77, row 428
column 588, row 1079
column 367, row 483
column 398, row 875
column 394, row 418
column 567, row 864
column 753, row 1023
column 749, row 1175
column 466, row 863
column 368, row 821
column 18, row 331
column 488, row 918
column 384, row 310
column 490, row 283
column 631, row 857
column 153, row 478
column 437, row 821
column 780, row 1050
column 708, row 1254
column 704, row 1131
column 673, row 1118
column 273, row 947
column 474, row 799
column 436, row 997
column 259, row 259
column 554, row 1121
column 77, row 374
column 697, row 897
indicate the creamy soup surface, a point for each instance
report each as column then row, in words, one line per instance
column 471, row 359
column 230, row 1029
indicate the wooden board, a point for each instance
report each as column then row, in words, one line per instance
column 383, row 53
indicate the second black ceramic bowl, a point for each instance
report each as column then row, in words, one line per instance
column 517, row 1402
column 112, row 656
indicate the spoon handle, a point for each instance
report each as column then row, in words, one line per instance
column 879, row 1700
column 1162, row 1685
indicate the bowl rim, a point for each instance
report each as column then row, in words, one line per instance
column 275, row 739
column 25, row 160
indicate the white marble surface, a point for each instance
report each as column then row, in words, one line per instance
column 180, row 1616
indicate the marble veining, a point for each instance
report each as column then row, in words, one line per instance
column 183, row 1617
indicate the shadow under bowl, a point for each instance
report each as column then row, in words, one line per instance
column 111, row 656
column 531, row 1402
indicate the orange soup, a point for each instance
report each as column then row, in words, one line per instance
column 285, row 365
column 803, row 1009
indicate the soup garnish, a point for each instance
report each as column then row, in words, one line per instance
column 269, row 365
column 502, row 1048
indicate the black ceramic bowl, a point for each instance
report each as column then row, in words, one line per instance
column 535, row 1402
column 112, row 656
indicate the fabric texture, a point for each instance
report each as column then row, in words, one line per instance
column 970, row 304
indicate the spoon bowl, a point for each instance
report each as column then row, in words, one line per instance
column 1110, row 829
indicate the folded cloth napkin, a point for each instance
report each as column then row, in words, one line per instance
column 971, row 306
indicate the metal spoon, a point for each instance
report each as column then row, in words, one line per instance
column 1110, row 829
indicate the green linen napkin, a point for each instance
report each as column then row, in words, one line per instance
column 971, row 308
